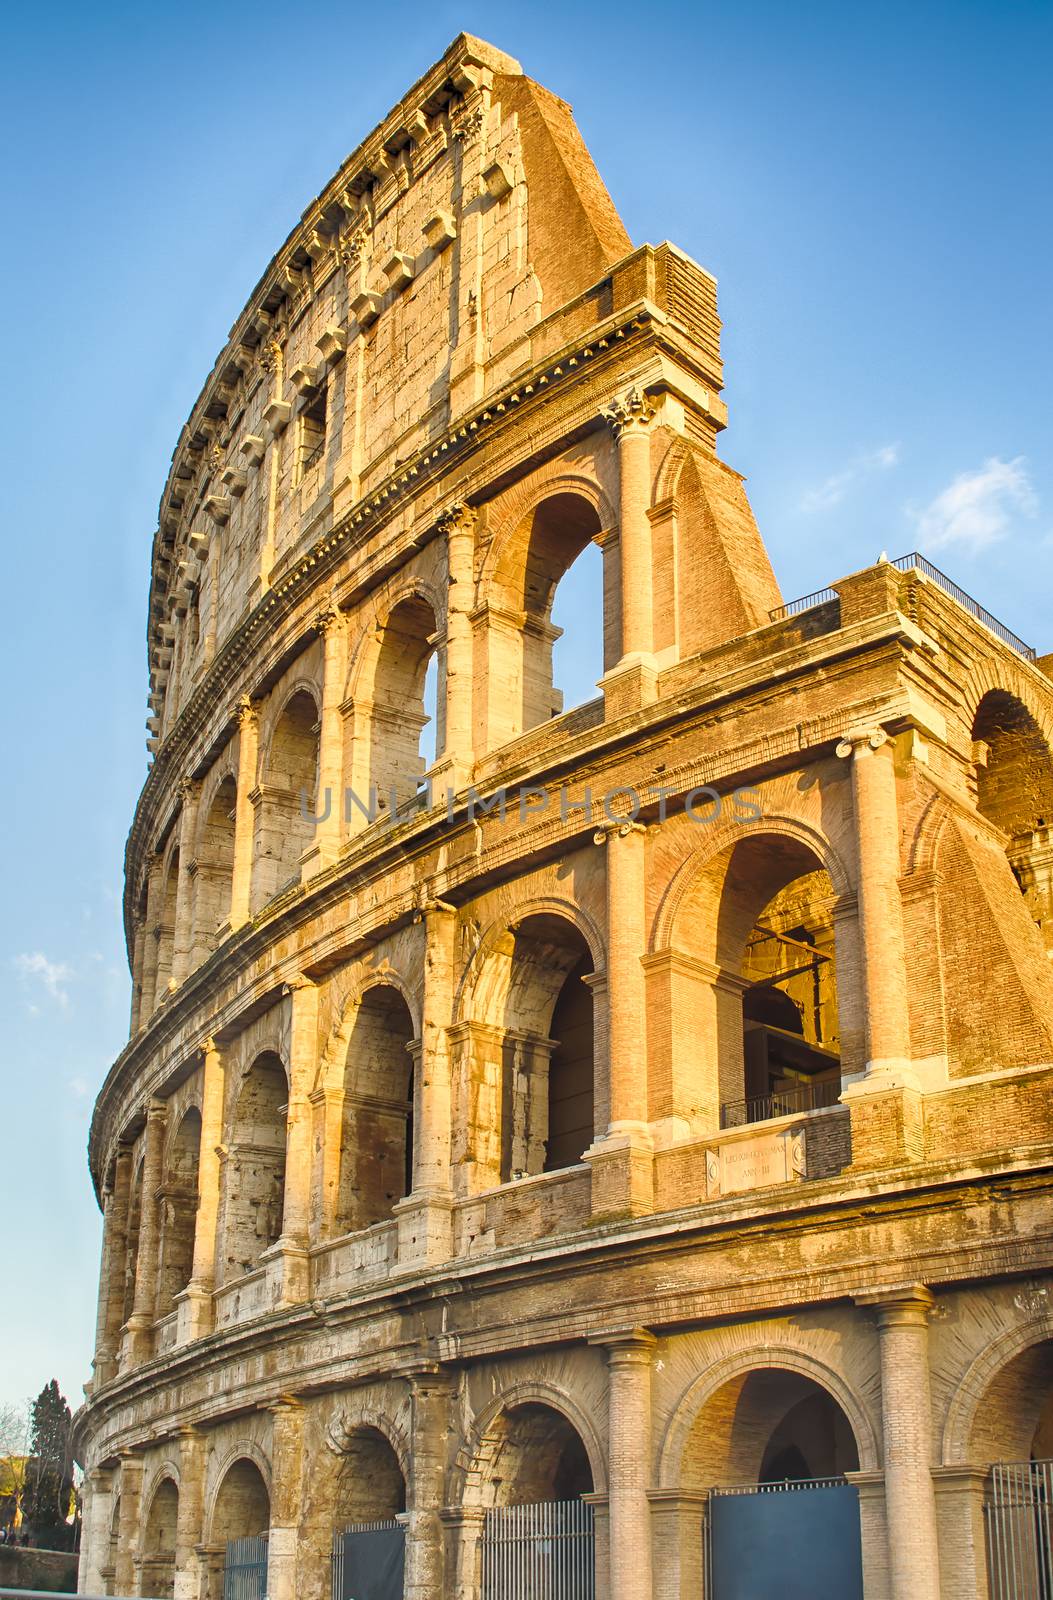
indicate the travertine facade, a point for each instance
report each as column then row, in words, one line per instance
column 460, row 1160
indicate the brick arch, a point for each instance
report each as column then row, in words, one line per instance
column 474, row 1458
column 973, row 1388
column 991, row 676
column 758, row 1358
column 541, row 905
column 720, row 840
column 672, row 464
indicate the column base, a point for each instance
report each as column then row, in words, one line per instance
column 622, row 1165
column 288, row 1266
column 281, row 1563
column 425, row 1229
column 193, row 1312
column 324, row 853
column 887, row 1119
column 137, row 1341
column 632, row 683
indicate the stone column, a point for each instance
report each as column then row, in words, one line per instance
column 111, row 1275
column 138, row 955
column 631, row 682
column 245, row 813
column 629, row 1359
column 195, row 1302
column 880, row 909
column 290, row 1253
column 453, row 769
column 286, row 1468
column 466, row 1531
column 329, row 802
column 140, row 1325
column 128, row 1523
column 95, row 1531
column 906, row 1412
column 183, row 938
column 424, row 1218
column 190, row 1514
column 622, row 1161
column 431, row 1393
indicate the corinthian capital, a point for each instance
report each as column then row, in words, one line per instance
column 631, row 412
column 458, row 518
column 245, row 711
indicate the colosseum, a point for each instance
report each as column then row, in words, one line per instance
column 559, row 1153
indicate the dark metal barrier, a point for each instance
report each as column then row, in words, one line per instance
column 797, row 1540
column 369, row 1561
column 1018, row 1515
column 540, row 1552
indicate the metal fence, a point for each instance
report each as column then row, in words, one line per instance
column 385, row 1540
column 1018, row 1513
column 540, row 1552
column 245, row 1569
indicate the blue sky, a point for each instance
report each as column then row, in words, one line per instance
column 869, row 184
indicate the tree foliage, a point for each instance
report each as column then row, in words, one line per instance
column 48, row 1491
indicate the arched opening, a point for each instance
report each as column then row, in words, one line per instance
column 159, row 1541
column 240, row 1523
column 1012, row 1436
column 131, row 1247
column 214, row 875
column 767, row 1034
column 370, row 1482
column 536, row 1455
column 404, row 668
column 179, row 1210
column 285, row 829
column 768, row 1426
column 255, row 1165
column 376, row 1149
column 1014, row 790
column 532, row 1045
column 521, row 631
column 166, row 928
column 577, row 616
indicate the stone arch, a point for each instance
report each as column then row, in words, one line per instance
column 525, row 498
column 231, row 1521
column 527, row 1084
column 287, row 784
column 386, row 681
column 254, row 1169
column 376, row 1100
column 166, row 926
column 739, row 1366
column 539, row 905
column 527, row 560
column 179, row 1208
column 998, row 1357
column 1006, row 676
column 214, row 860
column 331, row 1060
column 158, row 1546
column 475, row 1459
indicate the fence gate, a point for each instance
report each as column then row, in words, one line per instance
column 784, row 1541
column 1018, row 1513
column 369, row 1561
column 245, row 1569
column 540, row 1552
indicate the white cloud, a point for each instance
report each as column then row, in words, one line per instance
column 833, row 490
column 976, row 509
column 79, row 1088
column 34, row 967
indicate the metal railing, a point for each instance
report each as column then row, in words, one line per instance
column 312, row 455
column 782, row 1103
column 1018, row 1513
column 915, row 562
column 245, row 1568
column 782, row 1486
column 807, row 602
column 540, row 1552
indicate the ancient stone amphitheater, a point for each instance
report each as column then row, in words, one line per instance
column 606, row 1153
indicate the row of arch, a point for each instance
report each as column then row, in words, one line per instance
column 749, row 1418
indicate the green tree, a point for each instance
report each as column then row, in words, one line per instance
column 49, row 1479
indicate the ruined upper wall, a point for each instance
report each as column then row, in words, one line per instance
column 408, row 294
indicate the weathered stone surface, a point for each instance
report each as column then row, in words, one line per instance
column 432, row 1170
